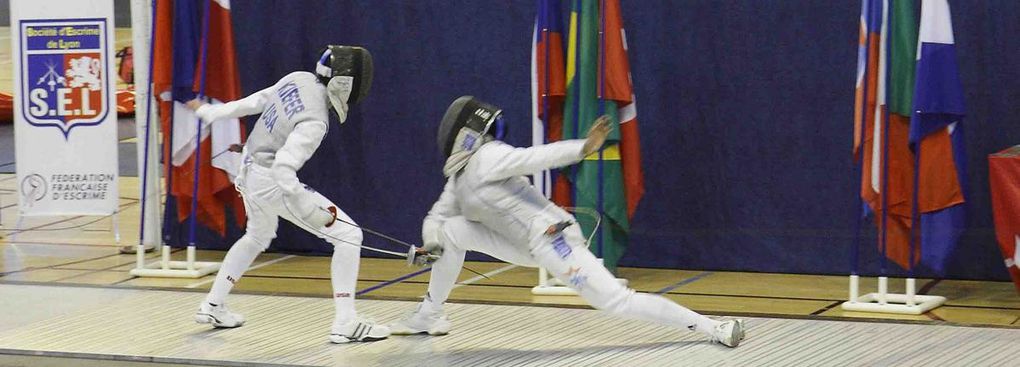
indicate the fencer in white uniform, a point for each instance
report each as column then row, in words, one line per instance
column 294, row 120
column 488, row 205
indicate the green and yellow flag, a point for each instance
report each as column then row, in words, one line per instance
column 598, row 82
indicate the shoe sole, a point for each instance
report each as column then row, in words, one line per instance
column 738, row 333
column 432, row 332
column 340, row 339
column 203, row 318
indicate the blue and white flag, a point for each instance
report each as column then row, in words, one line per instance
column 938, row 110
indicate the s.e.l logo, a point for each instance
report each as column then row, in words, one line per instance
column 65, row 77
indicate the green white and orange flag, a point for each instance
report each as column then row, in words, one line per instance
column 887, row 64
column 599, row 82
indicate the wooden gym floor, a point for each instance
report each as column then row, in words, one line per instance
column 118, row 325
column 88, row 256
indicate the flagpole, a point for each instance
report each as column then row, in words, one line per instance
column 915, row 222
column 547, row 182
column 168, row 156
column 547, row 174
column 602, row 111
column 577, row 98
column 885, row 133
column 859, row 210
column 168, row 219
column 204, row 43
column 148, row 127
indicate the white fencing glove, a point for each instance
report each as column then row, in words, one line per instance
column 430, row 231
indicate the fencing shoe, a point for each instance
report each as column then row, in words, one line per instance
column 729, row 333
column 218, row 315
column 358, row 331
column 418, row 322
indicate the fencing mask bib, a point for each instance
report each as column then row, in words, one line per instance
column 346, row 71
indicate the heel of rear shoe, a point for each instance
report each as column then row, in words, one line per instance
column 204, row 319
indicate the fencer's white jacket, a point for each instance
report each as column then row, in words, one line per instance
column 293, row 123
column 492, row 189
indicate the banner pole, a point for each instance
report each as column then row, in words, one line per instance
column 147, row 79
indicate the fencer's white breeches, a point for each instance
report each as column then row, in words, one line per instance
column 264, row 204
column 567, row 258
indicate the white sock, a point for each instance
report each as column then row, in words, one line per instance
column 443, row 277
column 661, row 310
column 235, row 263
column 344, row 274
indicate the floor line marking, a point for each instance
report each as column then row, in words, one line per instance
column 684, row 282
column 270, row 262
column 486, row 276
column 928, row 286
column 826, row 308
column 393, row 281
column 8, row 233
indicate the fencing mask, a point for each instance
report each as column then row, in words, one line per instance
column 346, row 71
column 466, row 124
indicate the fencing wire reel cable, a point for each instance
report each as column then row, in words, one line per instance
column 413, row 255
column 594, row 214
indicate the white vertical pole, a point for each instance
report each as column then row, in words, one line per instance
column 883, row 289
column 116, row 226
column 17, row 228
column 149, row 190
column 165, row 260
column 854, row 288
column 191, row 258
column 911, row 291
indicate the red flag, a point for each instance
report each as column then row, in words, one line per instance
column 177, row 75
column 619, row 87
column 1004, row 174
column 549, row 90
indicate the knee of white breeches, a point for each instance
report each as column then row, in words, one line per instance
column 346, row 250
column 615, row 302
column 448, row 237
column 355, row 235
column 351, row 238
column 254, row 243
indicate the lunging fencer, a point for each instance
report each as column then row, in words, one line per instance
column 294, row 120
column 489, row 206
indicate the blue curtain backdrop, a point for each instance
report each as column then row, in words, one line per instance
column 745, row 110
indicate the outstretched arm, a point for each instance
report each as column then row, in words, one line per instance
column 249, row 105
column 506, row 161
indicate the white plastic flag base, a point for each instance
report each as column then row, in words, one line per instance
column 885, row 302
column 164, row 268
column 550, row 286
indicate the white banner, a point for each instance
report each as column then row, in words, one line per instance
column 65, row 117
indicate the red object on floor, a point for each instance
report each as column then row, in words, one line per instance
column 6, row 108
column 1004, row 176
column 125, row 105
